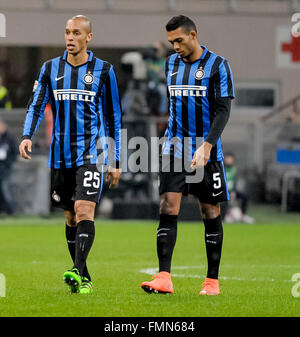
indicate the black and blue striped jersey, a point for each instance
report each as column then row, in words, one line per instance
column 192, row 90
column 86, row 110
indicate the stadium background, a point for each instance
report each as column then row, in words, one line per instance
column 263, row 131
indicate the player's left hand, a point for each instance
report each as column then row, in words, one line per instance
column 113, row 175
column 201, row 156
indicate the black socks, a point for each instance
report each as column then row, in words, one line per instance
column 83, row 243
column 166, row 239
column 71, row 239
column 213, row 242
column 80, row 240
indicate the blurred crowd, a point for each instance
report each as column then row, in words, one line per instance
column 8, row 155
column 144, row 73
column 5, row 101
column 236, row 209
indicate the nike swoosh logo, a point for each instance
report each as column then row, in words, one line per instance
column 214, row 195
column 173, row 74
column 89, row 193
column 59, row 78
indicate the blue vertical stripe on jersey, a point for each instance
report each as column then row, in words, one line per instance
column 116, row 111
column 56, row 130
column 95, row 127
column 73, row 116
column 80, row 118
column 192, row 112
column 89, row 137
column 178, row 104
column 113, row 114
column 205, row 101
column 199, row 103
column 53, row 106
column 230, row 87
column 59, row 139
column 100, row 139
column 186, row 104
column 104, row 130
column 223, row 80
column 171, row 81
column 67, row 133
column 54, row 112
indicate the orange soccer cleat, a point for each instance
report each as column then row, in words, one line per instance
column 161, row 284
column 210, row 287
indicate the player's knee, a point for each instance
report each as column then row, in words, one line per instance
column 84, row 210
column 167, row 207
column 210, row 211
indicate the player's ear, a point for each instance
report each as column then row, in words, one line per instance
column 89, row 37
column 193, row 34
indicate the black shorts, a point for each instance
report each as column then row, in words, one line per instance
column 79, row 183
column 208, row 184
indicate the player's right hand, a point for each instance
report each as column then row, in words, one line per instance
column 26, row 144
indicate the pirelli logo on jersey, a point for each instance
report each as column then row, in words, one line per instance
column 74, row 95
column 187, row 90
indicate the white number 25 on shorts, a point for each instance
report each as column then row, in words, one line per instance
column 91, row 179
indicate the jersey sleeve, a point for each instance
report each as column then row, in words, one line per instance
column 36, row 104
column 113, row 114
column 224, row 86
column 222, row 110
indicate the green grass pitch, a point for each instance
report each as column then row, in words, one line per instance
column 257, row 266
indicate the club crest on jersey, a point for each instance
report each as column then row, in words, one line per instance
column 199, row 74
column 88, row 78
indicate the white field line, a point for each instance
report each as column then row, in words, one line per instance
column 152, row 271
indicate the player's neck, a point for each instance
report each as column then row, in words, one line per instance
column 78, row 59
column 195, row 55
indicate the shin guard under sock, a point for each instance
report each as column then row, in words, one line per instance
column 213, row 243
column 83, row 243
column 166, row 239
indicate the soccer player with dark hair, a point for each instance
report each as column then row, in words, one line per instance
column 84, row 98
column 200, row 89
